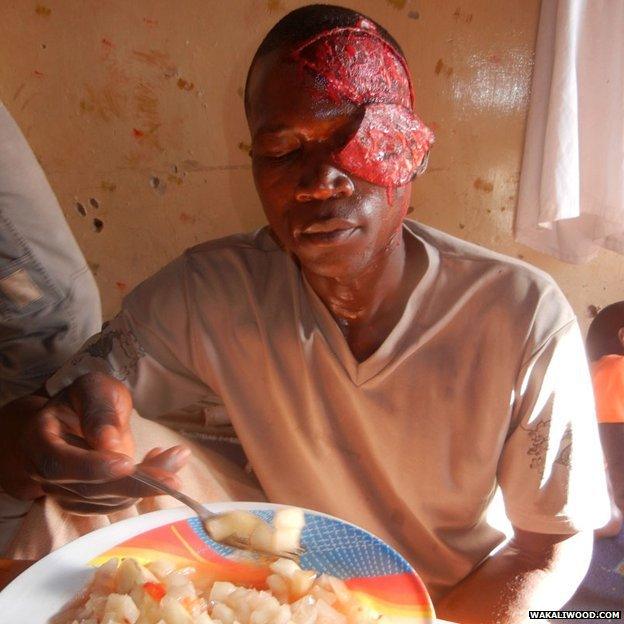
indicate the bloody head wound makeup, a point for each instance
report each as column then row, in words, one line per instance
column 357, row 65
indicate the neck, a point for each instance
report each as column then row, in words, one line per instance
column 357, row 298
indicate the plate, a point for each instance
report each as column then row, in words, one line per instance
column 379, row 577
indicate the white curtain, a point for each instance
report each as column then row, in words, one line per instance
column 571, row 195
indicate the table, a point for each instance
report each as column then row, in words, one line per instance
column 10, row 568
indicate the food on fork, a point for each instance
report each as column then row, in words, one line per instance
column 283, row 536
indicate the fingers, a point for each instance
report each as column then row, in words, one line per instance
column 107, row 497
column 104, row 405
column 121, row 488
column 171, row 460
column 161, row 465
column 65, row 496
column 155, row 451
column 54, row 459
column 85, row 508
column 79, row 447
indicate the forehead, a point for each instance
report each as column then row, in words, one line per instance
column 281, row 94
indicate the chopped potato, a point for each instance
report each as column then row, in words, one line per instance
column 283, row 536
column 289, row 518
column 239, row 523
column 120, row 608
column 127, row 592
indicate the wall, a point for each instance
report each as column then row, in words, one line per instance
column 135, row 111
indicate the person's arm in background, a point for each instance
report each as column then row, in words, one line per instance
column 552, row 478
column 612, row 439
column 608, row 379
column 49, row 302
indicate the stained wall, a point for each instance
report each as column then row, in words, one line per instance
column 135, row 112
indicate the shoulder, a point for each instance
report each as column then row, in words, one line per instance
column 473, row 262
column 253, row 251
column 247, row 251
column 505, row 292
column 483, row 260
column 256, row 242
column 216, row 271
column 236, row 267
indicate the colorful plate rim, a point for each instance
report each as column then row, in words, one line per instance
column 58, row 577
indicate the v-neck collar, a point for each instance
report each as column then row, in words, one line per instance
column 394, row 345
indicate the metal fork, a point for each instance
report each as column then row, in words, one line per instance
column 205, row 516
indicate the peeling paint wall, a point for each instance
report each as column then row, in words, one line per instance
column 135, row 111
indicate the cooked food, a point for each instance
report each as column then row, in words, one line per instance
column 127, row 592
column 283, row 536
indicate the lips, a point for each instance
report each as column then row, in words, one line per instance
column 325, row 226
column 327, row 231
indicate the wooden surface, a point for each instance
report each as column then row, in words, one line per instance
column 10, row 568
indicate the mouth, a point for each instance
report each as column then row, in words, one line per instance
column 325, row 231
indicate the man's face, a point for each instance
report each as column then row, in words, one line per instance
column 335, row 223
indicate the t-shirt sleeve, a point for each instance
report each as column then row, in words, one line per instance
column 608, row 379
column 551, row 470
column 147, row 346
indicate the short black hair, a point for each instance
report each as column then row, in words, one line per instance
column 602, row 336
column 305, row 22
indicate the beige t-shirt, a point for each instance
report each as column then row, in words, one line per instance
column 482, row 382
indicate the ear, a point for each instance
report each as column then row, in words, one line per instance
column 620, row 335
column 422, row 167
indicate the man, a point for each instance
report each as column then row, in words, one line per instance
column 373, row 368
column 49, row 302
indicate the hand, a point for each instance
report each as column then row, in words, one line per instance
column 79, row 449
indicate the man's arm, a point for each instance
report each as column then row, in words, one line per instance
column 551, row 475
column 533, row 571
column 49, row 299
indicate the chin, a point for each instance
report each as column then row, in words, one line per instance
column 338, row 265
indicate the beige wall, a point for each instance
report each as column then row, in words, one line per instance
column 134, row 109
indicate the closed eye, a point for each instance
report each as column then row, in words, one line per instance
column 277, row 146
column 283, row 155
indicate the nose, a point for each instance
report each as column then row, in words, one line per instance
column 321, row 181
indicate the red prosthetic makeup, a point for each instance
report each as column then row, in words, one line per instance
column 388, row 147
column 357, row 65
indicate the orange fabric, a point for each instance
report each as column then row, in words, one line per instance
column 608, row 378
